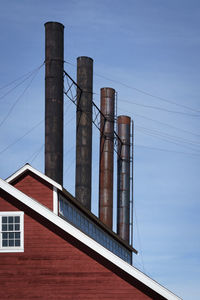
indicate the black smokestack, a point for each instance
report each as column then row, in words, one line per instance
column 84, row 130
column 54, row 60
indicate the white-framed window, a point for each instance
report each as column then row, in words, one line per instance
column 11, row 231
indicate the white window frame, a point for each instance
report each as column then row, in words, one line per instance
column 14, row 248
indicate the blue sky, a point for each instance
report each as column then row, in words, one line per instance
column 147, row 47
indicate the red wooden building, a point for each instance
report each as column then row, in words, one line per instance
column 51, row 247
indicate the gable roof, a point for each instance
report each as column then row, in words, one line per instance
column 81, row 237
column 28, row 168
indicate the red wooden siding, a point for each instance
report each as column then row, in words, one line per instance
column 35, row 187
column 56, row 266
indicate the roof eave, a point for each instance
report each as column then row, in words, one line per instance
column 89, row 242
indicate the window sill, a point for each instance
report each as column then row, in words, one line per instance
column 11, row 250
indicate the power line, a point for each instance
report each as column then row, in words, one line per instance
column 69, row 167
column 36, row 153
column 20, row 138
column 29, row 74
column 166, row 150
column 167, row 135
column 18, row 99
column 68, row 151
column 143, row 92
column 149, row 94
column 183, row 140
column 162, row 123
column 165, row 124
column 139, row 240
column 67, row 108
column 159, row 108
column 25, row 134
column 68, row 121
column 167, row 139
column 170, row 138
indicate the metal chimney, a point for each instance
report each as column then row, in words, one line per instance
column 123, row 178
column 106, row 156
column 54, row 100
column 84, row 131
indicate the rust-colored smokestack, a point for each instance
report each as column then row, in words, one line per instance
column 84, row 130
column 123, row 178
column 54, row 58
column 106, row 156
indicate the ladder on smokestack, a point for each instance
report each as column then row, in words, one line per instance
column 131, row 181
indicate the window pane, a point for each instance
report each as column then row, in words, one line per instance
column 70, row 213
column 5, row 235
column 10, row 227
column 4, row 219
column 11, row 243
column 17, row 243
column 17, row 227
column 74, row 215
column 17, row 220
column 17, row 235
column 78, row 220
column 4, row 227
column 10, row 219
column 11, row 235
column 90, row 229
column 5, row 243
column 82, row 222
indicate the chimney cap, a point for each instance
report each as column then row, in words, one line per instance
column 84, row 57
column 54, row 24
column 123, row 119
column 107, row 92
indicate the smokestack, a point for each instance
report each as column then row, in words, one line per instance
column 106, row 156
column 123, row 178
column 84, row 131
column 54, row 59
